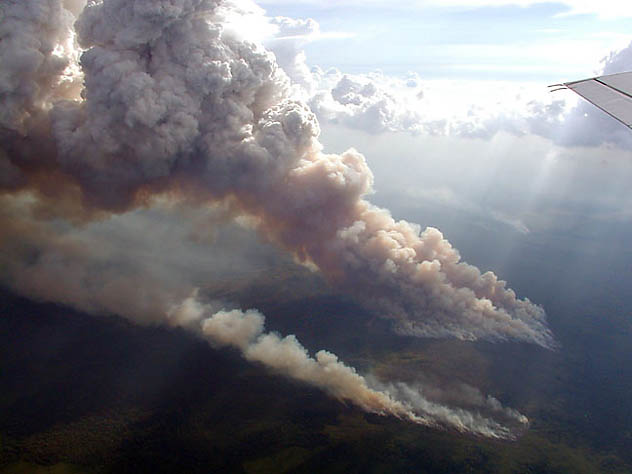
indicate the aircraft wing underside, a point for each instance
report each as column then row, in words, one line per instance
column 611, row 93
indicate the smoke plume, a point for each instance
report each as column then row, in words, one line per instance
column 134, row 265
column 137, row 264
column 173, row 104
column 245, row 332
column 106, row 106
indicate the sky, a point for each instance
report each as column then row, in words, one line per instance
column 519, row 41
column 147, row 146
column 484, row 67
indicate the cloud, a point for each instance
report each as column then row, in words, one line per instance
column 286, row 43
column 377, row 103
column 372, row 102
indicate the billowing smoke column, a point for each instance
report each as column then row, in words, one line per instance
column 172, row 103
column 175, row 104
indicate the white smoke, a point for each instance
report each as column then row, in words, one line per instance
column 285, row 355
column 460, row 418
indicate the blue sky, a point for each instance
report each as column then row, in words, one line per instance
column 478, row 132
column 538, row 42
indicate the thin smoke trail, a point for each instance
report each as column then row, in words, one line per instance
column 245, row 332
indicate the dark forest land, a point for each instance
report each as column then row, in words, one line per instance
column 99, row 394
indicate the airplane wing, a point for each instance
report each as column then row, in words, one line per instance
column 611, row 93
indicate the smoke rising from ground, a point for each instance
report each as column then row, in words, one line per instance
column 173, row 105
column 136, row 265
column 285, row 355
